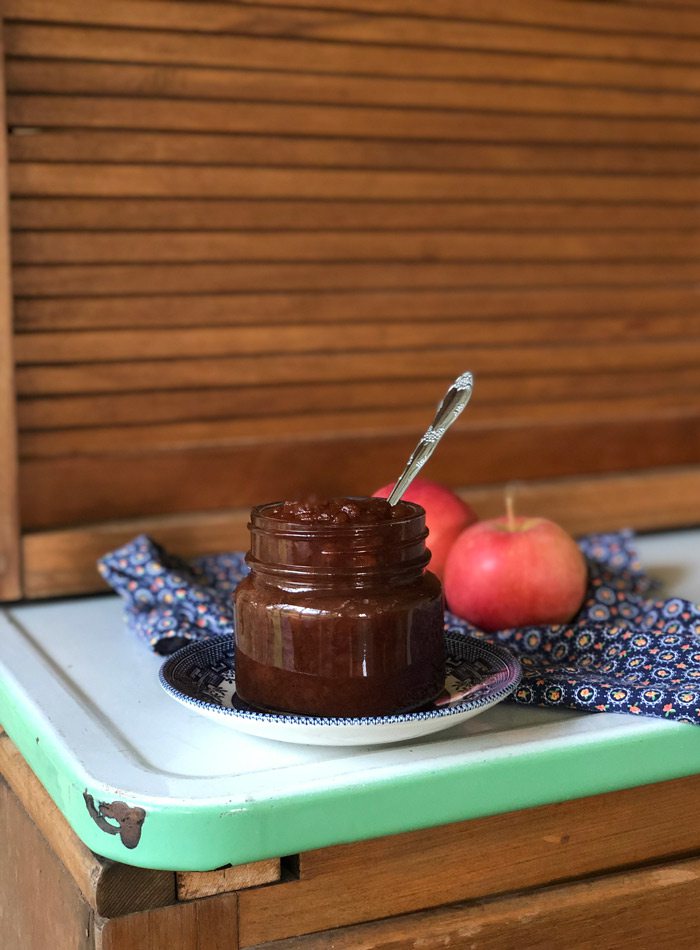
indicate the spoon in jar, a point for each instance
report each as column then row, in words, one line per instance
column 455, row 400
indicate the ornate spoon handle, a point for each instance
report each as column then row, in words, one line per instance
column 455, row 400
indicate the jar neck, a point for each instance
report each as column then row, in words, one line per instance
column 353, row 555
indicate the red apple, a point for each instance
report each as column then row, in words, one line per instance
column 515, row 572
column 446, row 516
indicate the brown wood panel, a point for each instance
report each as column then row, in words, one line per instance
column 63, row 561
column 113, row 180
column 117, row 279
column 326, row 366
column 677, row 4
column 642, row 17
column 330, row 200
column 496, row 392
column 144, row 80
column 111, row 438
column 320, row 25
column 9, row 502
column 616, row 910
column 31, row 873
column 546, row 845
column 108, row 887
column 30, row 247
column 648, row 500
column 131, row 439
column 193, row 885
column 521, row 214
column 208, row 148
column 62, row 492
column 77, row 346
column 206, row 924
column 284, row 118
column 316, row 306
column 300, row 54
column 599, row 17
column 333, row 184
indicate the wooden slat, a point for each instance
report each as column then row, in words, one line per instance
column 640, row 17
column 546, row 845
column 108, row 887
column 262, row 118
column 99, row 145
column 137, row 345
column 638, row 305
column 495, row 392
column 165, row 246
column 211, row 16
column 677, row 4
column 143, row 80
column 357, row 365
column 10, row 587
column 63, row 561
column 610, row 910
column 193, row 885
column 113, row 439
column 204, row 310
column 300, row 54
column 522, row 214
column 115, row 279
column 60, row 492
column 320, row 25
column 113, row 180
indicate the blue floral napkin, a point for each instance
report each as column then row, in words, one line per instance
column 170, row 601
column 625, row 651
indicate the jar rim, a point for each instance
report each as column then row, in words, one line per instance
column 284, row 528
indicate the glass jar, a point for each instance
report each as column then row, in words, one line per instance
column 339, row 619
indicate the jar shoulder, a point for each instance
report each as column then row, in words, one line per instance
column 263, row 590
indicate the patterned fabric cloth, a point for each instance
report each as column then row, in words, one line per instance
column 169, row 601
column 625, row 651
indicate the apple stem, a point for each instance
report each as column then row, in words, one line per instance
column 510, row 507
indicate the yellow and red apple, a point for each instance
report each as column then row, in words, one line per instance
column 514, row 572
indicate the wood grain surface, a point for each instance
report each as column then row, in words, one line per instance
column 63, row 560
column 10, row 569
column 205, row 924
column 472, row 860
column 618, row 911
column 649, row 62
column 193, row 885
column 252, row 243
column 180, row 214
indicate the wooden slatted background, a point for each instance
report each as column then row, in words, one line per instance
column 253, row 242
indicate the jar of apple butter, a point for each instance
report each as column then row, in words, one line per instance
column 338, row 616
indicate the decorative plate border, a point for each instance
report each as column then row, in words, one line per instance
column 501, row 677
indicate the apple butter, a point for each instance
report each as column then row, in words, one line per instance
column 338, row 616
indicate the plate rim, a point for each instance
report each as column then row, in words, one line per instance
column 512, row 664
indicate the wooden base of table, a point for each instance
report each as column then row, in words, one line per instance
column 618, row 870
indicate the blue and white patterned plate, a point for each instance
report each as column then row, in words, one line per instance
column 479, row 675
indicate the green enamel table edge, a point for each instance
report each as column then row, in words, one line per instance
column 177, row 836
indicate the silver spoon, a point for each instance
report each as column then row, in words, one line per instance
column 455, row 400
